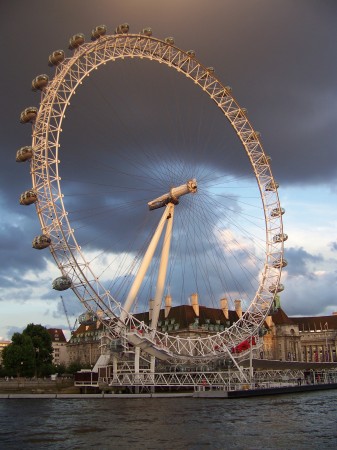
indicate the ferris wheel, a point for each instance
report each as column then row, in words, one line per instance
column 198, row 230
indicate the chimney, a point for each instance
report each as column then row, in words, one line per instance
column 168, row 304
column 151, row 304
column 195, row 304
column 269, row 321
column 238, row 308
column 224, row 307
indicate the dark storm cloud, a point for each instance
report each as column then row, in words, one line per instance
column 278, row 56
column 310, row 296
column 272, row 54
column 298, row 260
column 17, row 254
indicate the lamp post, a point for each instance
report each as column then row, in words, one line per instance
column 327, row 355
column 37, row 350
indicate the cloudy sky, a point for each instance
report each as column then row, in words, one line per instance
column 279, row 56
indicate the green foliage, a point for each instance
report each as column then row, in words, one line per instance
column 59, row 369
column 74, row 367
column 42, row 344
column 30, row 353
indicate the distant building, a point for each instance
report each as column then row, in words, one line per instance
column 307, row 339
column 59, row 343
column 84, row 344
column 3, row 344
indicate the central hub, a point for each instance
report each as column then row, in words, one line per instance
column 175, row 193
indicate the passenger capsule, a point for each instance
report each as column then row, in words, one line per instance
column 61, row 283
column 88, row 318
column 122, row 29
column 56, row 58
column 272, row 186
column 279, row 263
column 282, row 237
column 28, row 115
column 40, row 242
column 28, row 197
column 40, row 82
column 277, row 212
column 24, row 154
column 146, row 31
column 169, row 40
column 191, row 53
column 273, row 288
column 76, row 40
column 97, row 32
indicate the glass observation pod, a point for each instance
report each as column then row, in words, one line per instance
column 56, row 58
column 272, row 186
column 146, row 32
column 169, row 40
column 278, row 263
column 41, row 242
column 282, row 237
column 122, row 29
column 97, row 32
column 76, row 40
column 28, row 115
column 28, row 197
column 87, row 318
column 277, row 212
column 273, row 288
column 24, row 153
column 61, row 283
column 40, row 82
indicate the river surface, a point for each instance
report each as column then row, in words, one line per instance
column 292, row 421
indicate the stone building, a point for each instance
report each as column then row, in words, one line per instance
column 84, row 344
column 307, row 339
column 3, row 344
column 59, row 343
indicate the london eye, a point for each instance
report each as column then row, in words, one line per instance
column 182, row 220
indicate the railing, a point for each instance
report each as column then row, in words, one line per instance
column 224, row 380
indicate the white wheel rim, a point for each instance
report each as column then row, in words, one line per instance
column 53, row 215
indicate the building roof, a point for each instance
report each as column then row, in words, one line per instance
column 184, row 315
column 320, row 323
column 181, row 316
column 57, row 335
column 281, row 318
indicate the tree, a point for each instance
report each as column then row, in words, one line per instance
column 43, row 348
column 30, row 353
column 19, row 356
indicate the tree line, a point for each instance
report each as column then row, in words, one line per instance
column 30, row 354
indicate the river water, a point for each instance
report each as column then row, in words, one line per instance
column 292, row 421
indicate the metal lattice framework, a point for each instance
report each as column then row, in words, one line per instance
column 53, row 215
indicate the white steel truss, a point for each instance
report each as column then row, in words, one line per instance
column 54, row 218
